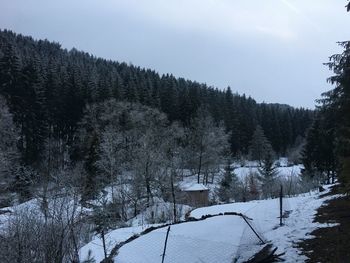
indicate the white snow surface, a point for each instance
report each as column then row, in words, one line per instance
column 220, row 239
column 283, row 171
column 215, row 239
column 265, row 214
column 112, row 238
column 138, row 224
column 189, row 187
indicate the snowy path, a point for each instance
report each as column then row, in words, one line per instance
column 297, row 227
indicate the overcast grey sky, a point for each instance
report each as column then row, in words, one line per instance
column 272, row 50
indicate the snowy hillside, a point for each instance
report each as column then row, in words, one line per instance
column 221, row 238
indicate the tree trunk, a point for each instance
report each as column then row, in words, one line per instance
column 148, row 184
column 200, row 163
column 173, row 195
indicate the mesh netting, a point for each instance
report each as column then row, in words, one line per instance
column 228, row 238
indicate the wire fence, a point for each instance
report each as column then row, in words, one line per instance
column 224, row 238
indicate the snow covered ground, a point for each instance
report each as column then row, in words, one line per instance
column 220, row 239
column 112, row 238
column 284, row 171
column 215, row 239
column 265, row 215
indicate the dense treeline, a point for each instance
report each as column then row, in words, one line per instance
column 48, row 88
column 327, row 149
column 57, row 103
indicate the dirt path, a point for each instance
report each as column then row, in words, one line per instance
column 331, row 244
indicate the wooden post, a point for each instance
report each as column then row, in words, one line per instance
column 281, row 205
column 165, row 243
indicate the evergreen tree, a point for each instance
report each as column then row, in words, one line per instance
column 336, row 102
column 9, row 155
column 268, row 173
column 260, row 147
column 229, row 185
column 9, row 70
column 104, row 217
column 319, row 156
column 91, row 182
column 231, row 121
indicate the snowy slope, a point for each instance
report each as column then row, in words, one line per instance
column 215, row 239
column 265, row 219
column 219, row 239
column 112, row 238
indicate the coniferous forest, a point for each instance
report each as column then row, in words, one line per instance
column 49, row 91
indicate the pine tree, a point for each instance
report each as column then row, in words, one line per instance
column 104, row 217
column 9, row 155
column 260, row 147
column 231, row 120
column 336, row 101
column 91, row 182
column 319, row 155
column 268, row 173
column 225, row 187
column 9, row 71
column 229, row 185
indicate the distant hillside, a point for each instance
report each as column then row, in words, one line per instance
column 60, row 83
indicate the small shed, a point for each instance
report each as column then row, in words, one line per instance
column 196, row 195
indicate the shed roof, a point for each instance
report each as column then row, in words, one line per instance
column 193, row 187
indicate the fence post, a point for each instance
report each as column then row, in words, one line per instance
column 281, row 205
column 165, row 243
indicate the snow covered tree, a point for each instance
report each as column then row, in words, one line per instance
column 28, row 238
column 104, row 217
column 208, row 143
column 147, row 155
column 172, row 150
column 110, row 155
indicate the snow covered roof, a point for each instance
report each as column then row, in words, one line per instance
column 193, row 187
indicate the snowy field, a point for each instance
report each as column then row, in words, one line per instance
column 215, row 239
column 220, row 239
column 265, row 215
column 284, row 172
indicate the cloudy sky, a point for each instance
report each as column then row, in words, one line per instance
column 272, row 50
